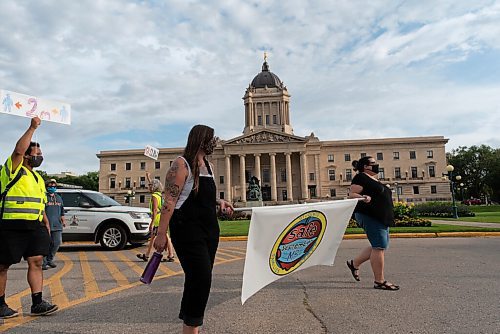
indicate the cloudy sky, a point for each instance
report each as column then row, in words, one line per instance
column 143, row 72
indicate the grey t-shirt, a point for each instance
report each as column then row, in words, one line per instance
column 54, row 209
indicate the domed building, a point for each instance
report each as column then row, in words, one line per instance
column 290, row 168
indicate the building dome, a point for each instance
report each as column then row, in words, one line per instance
column 266, row 78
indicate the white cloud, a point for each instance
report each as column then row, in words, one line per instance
column 354, row 69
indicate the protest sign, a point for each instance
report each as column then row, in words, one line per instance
column 151, row 152
column 289, row 238
column 30, row 106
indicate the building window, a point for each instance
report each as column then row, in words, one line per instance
column 333, row 192
column 381, row 173
column 330, row 158
column 395, row 155
column 433, row 190
column 128, row 166
column 157, row 165
column 363, row 155
column 221, row 195
column 157, row 178
column 380, row 156
column 432, row 171
column 347, row 157
column 397, row 172
column 275, row 119
column 259, row 120
column 283, row 174
column 416, row 190
column 399, row 190
column 348, row 174
column 221, row 179
column 142, row 182
column 312, row 192
column 113, row 166
column 112, row 183
column 430, row 154
column 331, row 174
column 266, row 176
column 284, row 195
column 143, row 165
column 142, row 199
column 127, row 182
column 267, row 119
column 112, row 197
column 413, row 155
column 414, row 172
column 311, row 176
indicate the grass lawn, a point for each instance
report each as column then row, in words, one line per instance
column 484, row 214
column 240, row 228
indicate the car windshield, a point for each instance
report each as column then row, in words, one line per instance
column 102, row 200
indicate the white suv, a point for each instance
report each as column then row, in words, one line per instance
column 92, row 216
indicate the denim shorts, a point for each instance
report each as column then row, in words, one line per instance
column 377, row 233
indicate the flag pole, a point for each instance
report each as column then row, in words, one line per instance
column 250, row 208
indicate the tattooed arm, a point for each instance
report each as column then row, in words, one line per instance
column 174, row 182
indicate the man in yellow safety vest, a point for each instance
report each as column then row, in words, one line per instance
column 24, row 228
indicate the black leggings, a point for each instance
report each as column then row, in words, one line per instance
column 197, row 260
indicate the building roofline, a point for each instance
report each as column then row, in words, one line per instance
column 396, row 140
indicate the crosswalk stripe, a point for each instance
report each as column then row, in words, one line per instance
column 138, row 269
column 89, row 282
column 57, row 292
column 231, row 256
column 113, row 269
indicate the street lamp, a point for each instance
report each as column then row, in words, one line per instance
column 449, row 176
column 129, row 196
column 462, row 191
column 397, row 190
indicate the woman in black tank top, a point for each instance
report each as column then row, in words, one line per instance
column 194, row 227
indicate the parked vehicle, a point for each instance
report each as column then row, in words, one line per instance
column 472, row 201
column 93, row 216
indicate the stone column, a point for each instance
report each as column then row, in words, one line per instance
column 303, row 170
column 274, row 190
column 242, row 178
column 289, row 188
column 318, row 178
column 228, row 196
column 257, row 167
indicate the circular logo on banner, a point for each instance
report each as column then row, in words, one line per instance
column 297, row 242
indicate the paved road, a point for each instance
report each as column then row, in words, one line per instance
column 449, row 285
column 462, row 223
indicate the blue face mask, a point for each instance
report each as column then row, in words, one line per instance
column 51, row 190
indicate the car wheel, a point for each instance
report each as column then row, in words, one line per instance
column 113, row 237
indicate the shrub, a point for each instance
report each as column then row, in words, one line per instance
column 442, row 209
column 405, row 215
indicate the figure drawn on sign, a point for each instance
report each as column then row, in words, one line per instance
column 74, row 221
column 7, row 103
column 64, row 114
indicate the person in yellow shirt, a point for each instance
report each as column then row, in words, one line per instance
column 24, row 228
column 156, row 202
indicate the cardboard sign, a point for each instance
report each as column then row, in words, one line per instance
column 30, row 106
column 151, row 152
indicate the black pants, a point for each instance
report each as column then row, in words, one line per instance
column 197, row 256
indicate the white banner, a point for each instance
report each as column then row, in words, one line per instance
column 31, row 106
column 151, row 152
column 289, row 238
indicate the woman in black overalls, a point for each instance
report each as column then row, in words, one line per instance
column 190, row 208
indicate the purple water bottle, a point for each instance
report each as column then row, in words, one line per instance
column 151, row 267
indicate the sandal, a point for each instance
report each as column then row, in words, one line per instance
column 385, row 286
column 143, row 257
column 170, row 258
column 353, row 270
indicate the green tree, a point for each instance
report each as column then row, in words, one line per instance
column 476, row 165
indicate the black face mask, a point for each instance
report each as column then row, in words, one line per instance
column 35, row 160
column 375, row 168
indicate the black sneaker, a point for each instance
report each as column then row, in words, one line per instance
column 6, row 312
column 43, row 308
column 52, row 264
